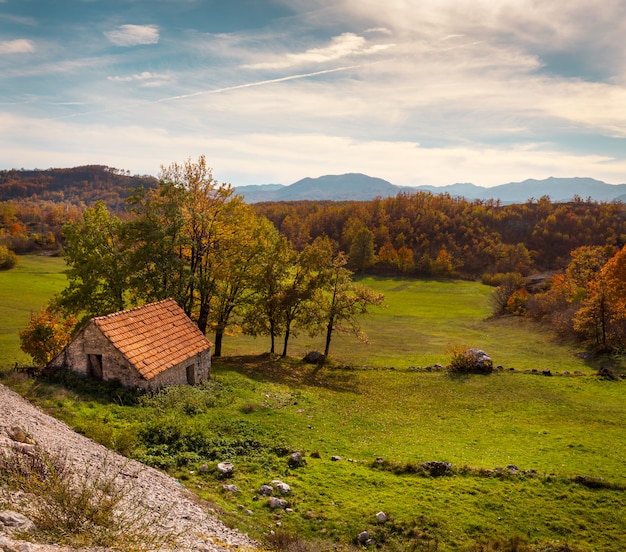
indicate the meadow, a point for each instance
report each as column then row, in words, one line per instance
column 535, row 462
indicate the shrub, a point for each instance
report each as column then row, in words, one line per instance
column 469, row 360
column 8, row 259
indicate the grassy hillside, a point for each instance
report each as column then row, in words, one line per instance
column 565, row 433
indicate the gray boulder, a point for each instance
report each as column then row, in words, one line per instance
column 14, row 521
column 225, row 469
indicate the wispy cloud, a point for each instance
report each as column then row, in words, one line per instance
column 19, row 46
column 133, row 35
column 344, row 45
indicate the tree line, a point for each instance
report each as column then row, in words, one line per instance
column 194, row 240
column 586, row 301
column 440, row 235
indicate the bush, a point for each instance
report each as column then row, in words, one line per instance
column 8, row 259
column 470, row 361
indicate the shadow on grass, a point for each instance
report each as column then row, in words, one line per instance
column 289, row 371
column 103, row 392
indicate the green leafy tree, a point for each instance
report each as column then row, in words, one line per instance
column 98, row 264
column 157, row 241
column 361, row 255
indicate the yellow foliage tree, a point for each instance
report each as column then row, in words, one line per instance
column 46, row 335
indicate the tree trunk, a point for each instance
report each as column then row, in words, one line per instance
column 286, row 341
column 217, row 352
column 329, row 333
column 203, row 317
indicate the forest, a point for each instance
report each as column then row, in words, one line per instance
column 189, row 237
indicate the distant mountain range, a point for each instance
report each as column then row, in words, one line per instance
column 360, row 187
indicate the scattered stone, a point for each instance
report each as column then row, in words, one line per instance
column 546, row 372
column 336, row 458
column 382, row 517
column 296, row 460
column 282, row 487
column 607, row 373
column 313, row 357
column 250, row 512
column 17, row 434
column 365, row 539
column 437, row 469
column 225, row 469
column 379, row 460
column 6, row 545
column 266, row 490
column 289, row 510
column 204, row 468
column 275, row 503
column 231, row 488
column 14, row 521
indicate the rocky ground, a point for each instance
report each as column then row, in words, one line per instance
column 181, row 514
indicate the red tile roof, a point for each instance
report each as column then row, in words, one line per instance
column 153, row 337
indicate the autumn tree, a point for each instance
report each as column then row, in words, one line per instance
column 45, row 335
column 306, row 277
column 238, row 268
column 341, row 301
column 264, row 315
column 602, row 315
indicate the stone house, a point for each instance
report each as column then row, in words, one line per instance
column 150, row 347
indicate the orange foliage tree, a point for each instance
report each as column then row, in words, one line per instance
column 46, row 335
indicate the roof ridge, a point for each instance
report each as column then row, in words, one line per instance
column 139, row 307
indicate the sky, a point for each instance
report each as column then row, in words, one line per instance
column 418, row 92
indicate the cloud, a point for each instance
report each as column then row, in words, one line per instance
column 344, row 45
column 19, row 46
column 133, row 35
column 145, row 79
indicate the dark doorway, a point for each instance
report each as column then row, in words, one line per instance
column 94, row 367
column 191, row 374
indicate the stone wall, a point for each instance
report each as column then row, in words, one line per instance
column 91, row 341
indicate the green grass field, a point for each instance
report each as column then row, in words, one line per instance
column 25, row 289
column 372, row 402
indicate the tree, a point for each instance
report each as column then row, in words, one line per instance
column 341, row 301
column 602, row 315
column 157, row 241
column 361, row 254
column 46, row 335
column 264, row 314
column 306, row 277
column 238, row 268
column 98, row 264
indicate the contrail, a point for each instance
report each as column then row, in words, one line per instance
column 229, row 88
column 260, row 83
